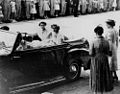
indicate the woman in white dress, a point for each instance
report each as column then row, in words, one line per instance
column 33, row 10
column 101, row 5
column 57, row 7
column 112, row 37
column 46, row 8
column 13, row 7
column 55, row 36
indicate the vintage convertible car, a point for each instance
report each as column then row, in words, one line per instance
column 20, row 67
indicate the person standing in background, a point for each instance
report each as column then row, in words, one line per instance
column 101, row 5
column 13, row 7
column 75, row 7
column 37, row 8
column 41, row 8
column 63, row 7
column 114, row 5
column 57, row 7
column 23, row 10
column 110, row 3
column 84, row 6
column 118, row 4
column 6, row 10
column 68, row 7
column 1, row 14
column 18, row 9
column 33, row 10
column 28, row 9
column 95, row 6
column 112, row 37
column 106, row 3
column 90, row 7
column 46, row 8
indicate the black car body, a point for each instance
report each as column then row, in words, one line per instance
column 19, row 68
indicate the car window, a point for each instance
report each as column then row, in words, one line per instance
column 7, row 40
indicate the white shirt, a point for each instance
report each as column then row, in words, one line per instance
column 43, row 34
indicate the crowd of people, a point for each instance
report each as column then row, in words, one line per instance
column 17, row 10
column 103, row 51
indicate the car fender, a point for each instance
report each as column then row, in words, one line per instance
column 81, row 54
column 78, row 49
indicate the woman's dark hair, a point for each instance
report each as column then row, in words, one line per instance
column 99, row 30
column 110, row 22
column 44, row 23
column 55, row 26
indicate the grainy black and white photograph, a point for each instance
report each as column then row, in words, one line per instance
column 59, row 46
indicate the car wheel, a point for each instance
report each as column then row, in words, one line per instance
column 73, row 69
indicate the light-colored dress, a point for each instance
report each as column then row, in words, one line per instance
column 57, row 38
column 57, row 4
column 84, row 5
column 46, row 5
column 1, row 14
column 101, row 4
column 33, row 8
column 112, row 37
column 114, row 3
column 13, row 6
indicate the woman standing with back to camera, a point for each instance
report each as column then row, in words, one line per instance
column 100, row 75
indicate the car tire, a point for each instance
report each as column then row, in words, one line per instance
column 73, row 69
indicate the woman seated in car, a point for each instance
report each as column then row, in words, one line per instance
column 56, row 37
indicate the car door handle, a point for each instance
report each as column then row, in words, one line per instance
column 16, row 57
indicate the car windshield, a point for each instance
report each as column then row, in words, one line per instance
column 7, row 40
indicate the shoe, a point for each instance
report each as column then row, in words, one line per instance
column 115, row 79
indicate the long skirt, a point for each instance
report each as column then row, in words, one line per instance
column 113, row 61
column 100, row 75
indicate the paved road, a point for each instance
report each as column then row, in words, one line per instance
column 74, row 28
